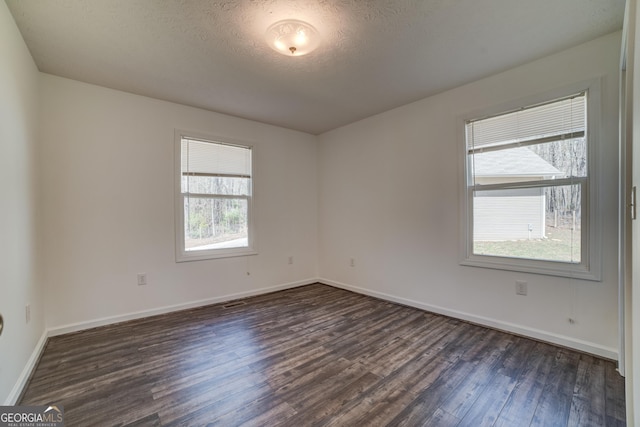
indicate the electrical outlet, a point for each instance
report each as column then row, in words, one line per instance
column 142, row 279
column 521, row 287
column 352, row 262
column 290, row 260
column 27, row 313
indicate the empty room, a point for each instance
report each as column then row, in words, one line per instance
column 331, row 213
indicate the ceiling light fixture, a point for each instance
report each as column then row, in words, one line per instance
column 292, row 37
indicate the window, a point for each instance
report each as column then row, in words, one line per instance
column 528, row 189
column 214, row 185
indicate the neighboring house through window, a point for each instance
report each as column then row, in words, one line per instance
column 529, row 193
column 214, row 198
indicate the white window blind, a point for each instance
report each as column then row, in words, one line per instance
column 214, row 159
column 560, row 119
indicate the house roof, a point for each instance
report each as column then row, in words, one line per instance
column 519, row 161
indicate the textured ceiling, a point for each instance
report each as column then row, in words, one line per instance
column 375, row 54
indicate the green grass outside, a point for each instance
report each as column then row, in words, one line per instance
column 560, row 244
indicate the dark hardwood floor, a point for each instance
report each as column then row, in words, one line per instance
column 319, row 356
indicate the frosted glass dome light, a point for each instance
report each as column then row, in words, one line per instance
column 292, row 37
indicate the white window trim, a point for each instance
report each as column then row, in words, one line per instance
column 590, row 267
column 181, row 254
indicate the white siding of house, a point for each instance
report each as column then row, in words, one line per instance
column 506, row 216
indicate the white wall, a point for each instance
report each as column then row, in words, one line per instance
column 108, row 205
column 389, row 198
column 19, row 237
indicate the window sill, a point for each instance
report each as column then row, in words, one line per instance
column 216, row 254
column 548, row 268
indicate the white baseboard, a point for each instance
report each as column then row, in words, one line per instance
column 13, row 397
column 80, row 326
column 584, row 346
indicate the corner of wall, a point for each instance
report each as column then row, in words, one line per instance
column 20, row 254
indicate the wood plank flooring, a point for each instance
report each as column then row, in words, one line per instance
column 319, row 356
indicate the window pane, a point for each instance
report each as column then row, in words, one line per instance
column 215, row 223
column 229, row 186
column 569, row 156
column 534, row 223
column 557, row 159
